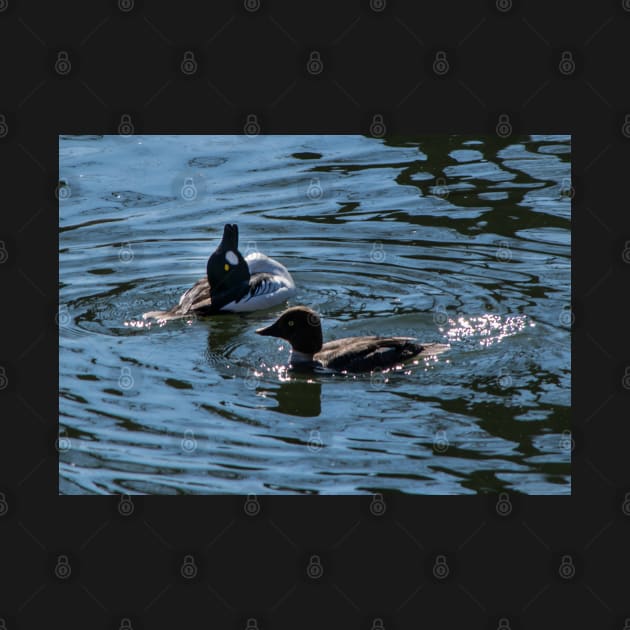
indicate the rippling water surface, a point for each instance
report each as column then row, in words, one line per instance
column 452, row 239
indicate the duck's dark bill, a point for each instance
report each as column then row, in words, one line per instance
column 269, row 331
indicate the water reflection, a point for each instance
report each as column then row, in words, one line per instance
column 448, row 239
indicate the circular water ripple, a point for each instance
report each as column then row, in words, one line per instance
column 469, row 247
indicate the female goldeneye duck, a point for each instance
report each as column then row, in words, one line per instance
column 233, row 284
column 301, row 327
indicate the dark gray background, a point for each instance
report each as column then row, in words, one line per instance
column 125, row 58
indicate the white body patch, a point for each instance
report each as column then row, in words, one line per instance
column 231, row 257
column 270, row 292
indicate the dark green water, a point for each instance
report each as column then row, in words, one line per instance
column 451, row 239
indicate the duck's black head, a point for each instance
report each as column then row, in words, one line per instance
column 300, row 326
column 226, row 267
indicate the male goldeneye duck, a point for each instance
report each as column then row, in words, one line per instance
column 301, row 327
column 233, row 284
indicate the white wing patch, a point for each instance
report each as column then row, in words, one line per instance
column 264, row 287
column 265, row 293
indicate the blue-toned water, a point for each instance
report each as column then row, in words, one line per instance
column 458, row 240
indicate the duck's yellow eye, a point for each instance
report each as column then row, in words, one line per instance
column 226, row 267
column 290, row 322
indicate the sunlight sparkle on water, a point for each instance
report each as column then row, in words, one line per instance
column 489, row 327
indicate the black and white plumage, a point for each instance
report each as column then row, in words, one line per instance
column 233, row 284
column 301, row 327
